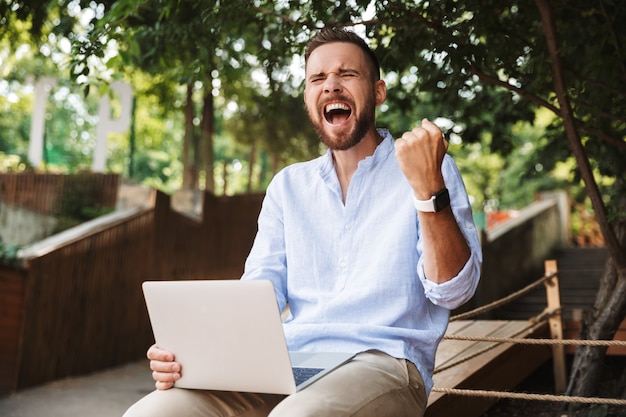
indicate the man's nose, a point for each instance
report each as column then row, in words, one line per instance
column 332, row 84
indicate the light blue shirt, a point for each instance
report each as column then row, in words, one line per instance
column 352, row 273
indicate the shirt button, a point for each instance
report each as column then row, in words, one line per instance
column 348, row 226
column 342, row 264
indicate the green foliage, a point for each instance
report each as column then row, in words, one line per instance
column 79, row 202
column 217, row 48
column 11, row 163
column 8, row 254
column 156, row 169
column 14, row 130
column 481, row 66
column 70, row 120
column 69, row 130
column 487, row 68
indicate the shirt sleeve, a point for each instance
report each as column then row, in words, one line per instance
column 267, row 258
column 453, row 293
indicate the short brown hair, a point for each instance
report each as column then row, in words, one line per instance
column 331, row 35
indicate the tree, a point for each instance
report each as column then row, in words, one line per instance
column 69, row 114
column 206, row 44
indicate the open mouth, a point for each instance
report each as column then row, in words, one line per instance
column 337, row 113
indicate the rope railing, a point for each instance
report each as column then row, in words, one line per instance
column 498, row 303
column 524, row 396
column 535, row 323
column 480, row 351
column 567, row 342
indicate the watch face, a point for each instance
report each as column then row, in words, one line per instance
column 442, row 200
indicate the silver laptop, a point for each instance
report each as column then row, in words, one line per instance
column 228, row 336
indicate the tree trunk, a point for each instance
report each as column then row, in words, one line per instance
column 608, row 312
column 610, row 307
column 190, row 171
column 251, row 163
column 208, row 127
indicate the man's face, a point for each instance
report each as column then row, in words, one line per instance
column 340, row 96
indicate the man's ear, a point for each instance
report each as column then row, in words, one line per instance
column 380, row 91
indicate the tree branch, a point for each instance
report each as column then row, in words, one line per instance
column 474, row 69
column 610, row 140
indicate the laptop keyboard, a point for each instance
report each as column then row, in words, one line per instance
column 302, row 374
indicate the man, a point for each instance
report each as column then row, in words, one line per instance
column 370, row 245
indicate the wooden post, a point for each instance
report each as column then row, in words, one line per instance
column 556, row 326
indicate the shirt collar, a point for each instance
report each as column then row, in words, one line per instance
column 383, row 150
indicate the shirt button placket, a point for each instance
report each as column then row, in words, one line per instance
column 344, row 254
column 343, row 263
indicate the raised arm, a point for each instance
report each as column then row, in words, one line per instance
column 420, row 154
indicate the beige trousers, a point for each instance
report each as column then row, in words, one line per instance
column 373, row 384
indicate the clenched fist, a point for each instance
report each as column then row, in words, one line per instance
column 420, row 154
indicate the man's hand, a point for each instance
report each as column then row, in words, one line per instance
column 420, row 153
column 164, row 370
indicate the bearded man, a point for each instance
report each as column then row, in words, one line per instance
column 370, row 245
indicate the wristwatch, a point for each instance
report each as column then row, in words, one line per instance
column 435, row 204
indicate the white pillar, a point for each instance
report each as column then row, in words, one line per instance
column 108, row 125
column 43, row 86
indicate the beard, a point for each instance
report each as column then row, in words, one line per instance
column 344, row 141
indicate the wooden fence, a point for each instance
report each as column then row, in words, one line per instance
column 45, row 193
column 76, row 304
